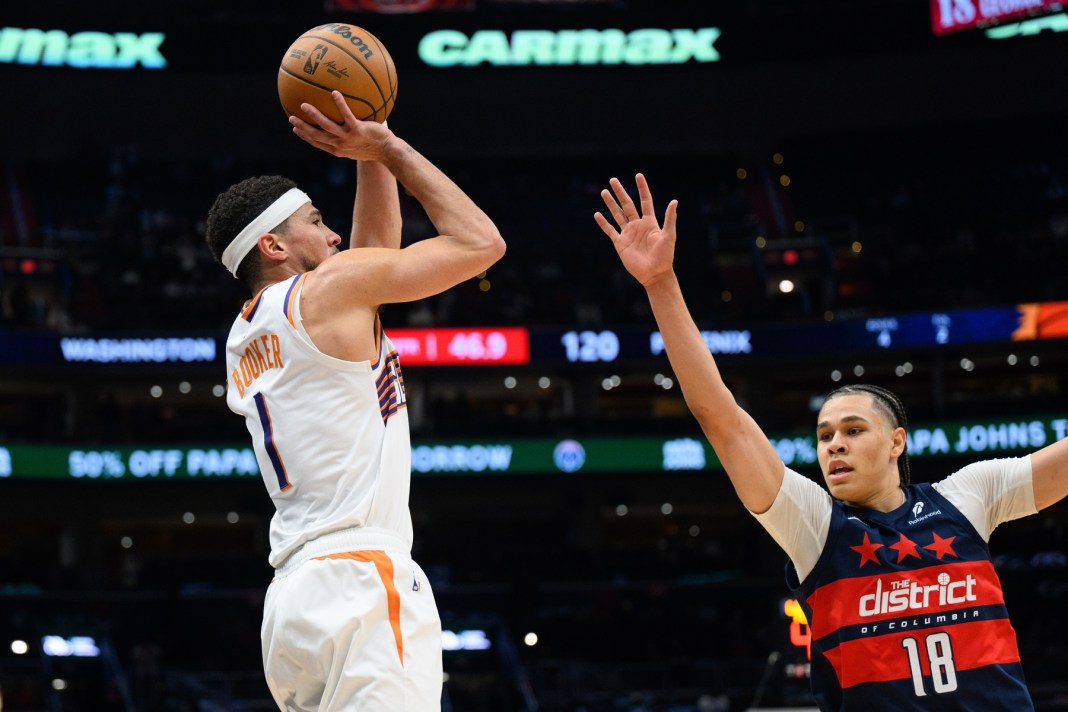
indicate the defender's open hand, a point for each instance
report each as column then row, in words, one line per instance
column 646, row 248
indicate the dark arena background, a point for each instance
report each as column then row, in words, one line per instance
column 869, row 191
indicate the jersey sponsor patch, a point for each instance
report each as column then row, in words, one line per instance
column 866, row 599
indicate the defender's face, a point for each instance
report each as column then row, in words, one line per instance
column 857, row 449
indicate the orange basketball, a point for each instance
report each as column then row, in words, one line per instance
column 343, row 57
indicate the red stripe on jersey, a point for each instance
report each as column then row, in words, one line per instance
column 864, row 600
column 879, row 658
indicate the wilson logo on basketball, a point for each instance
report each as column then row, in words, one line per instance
column 346, row 32
column 337, row 57
column 314, row 57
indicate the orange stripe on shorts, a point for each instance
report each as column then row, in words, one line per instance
column 384, row 566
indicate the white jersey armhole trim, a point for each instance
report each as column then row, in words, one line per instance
column 304, row 340
column 799, row 520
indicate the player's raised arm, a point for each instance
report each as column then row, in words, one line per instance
column 468, row 242
column 1049, row 473
column 376, row 216
column 647, row 251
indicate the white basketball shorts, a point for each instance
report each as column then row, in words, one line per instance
column 357, row 630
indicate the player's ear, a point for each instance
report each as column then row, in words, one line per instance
column 272, row 247
column 898, row 440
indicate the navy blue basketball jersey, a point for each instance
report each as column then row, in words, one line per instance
column 907, row 613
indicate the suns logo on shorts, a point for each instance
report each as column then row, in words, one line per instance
column 390, row 383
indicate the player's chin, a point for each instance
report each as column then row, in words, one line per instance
column 838, row 489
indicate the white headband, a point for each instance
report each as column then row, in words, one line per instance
column 275, row 214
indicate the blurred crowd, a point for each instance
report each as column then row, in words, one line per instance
column 108, row 241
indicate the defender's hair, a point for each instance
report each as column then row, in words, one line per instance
column 235, row 208
column 891, row 407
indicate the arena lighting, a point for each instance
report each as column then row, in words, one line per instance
column 524, row 48
column 464, row 640
column 1053, row 23
column 800, row 633
column 440, row 346
column 718, row 342
column 955, row 15
column 684, row 454
column 590, row 346
column 78, row 646
column 500, row 346
column 82, row 50
column 129, row 350
column 517, row 455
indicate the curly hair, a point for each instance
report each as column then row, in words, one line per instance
column 891, row 407
column 235, row 208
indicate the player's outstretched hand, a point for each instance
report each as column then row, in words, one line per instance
column 646, row 248
column 352, row 138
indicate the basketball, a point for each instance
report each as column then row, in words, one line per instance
column 343, row 57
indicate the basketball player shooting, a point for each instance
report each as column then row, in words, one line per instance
column 350, row 621
column 905, row 608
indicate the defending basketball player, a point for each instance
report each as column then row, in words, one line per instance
column 350, row 621
column 905, row 608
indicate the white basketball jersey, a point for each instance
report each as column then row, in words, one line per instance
column 331, row 436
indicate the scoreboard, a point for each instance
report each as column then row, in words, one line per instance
column 517, row 346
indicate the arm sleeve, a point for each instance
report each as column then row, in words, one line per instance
column 798, row 520
column 991, row 492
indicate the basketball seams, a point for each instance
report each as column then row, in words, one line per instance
column 327, row 89
column 309, row 50
column 389, row 75
column 370, row 74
